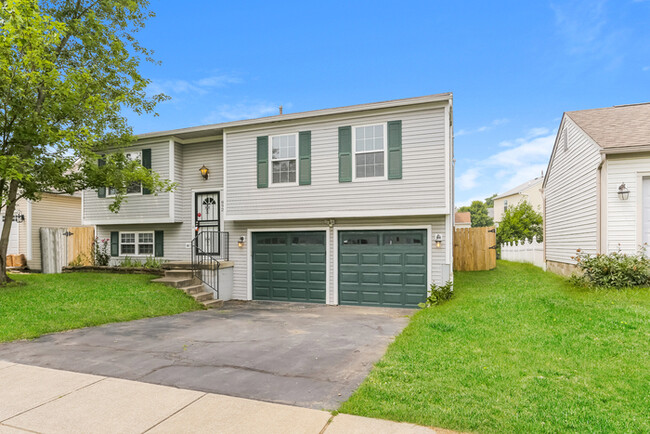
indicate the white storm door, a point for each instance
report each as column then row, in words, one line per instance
column 646, row 212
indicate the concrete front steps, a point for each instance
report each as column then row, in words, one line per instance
column 178, row 275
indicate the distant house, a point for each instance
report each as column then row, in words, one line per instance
column 52, row 211
column 597, row 187
column 529, row 191
column 463, row 220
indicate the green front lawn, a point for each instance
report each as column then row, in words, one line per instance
column 518, row 350
column 44, row 303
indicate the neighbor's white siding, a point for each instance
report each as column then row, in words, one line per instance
column 422, row 187
column 439, row 266
column 571, row 196
column 624, row 216
column 136, row 207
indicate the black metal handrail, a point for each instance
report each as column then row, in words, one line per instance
column 205, row 264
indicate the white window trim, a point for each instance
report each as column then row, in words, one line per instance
column 283, row 184
column 354, row 154
column 108, row 189
column 137, row 244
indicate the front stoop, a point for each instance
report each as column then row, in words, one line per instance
column 184, row 280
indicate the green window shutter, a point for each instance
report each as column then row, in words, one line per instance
column 101, row 191
column 345, row 154
column 304, row 155
column 395, row 150
column 115, row 244
column 262, row 161
column 146, row 163
column 159, row 241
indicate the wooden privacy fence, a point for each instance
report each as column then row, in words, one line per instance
column 475, row 249
column 60, row 246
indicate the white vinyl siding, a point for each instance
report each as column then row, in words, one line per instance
column 623, row 216
column 571, row 197
column 136, row 207
column 422, row 187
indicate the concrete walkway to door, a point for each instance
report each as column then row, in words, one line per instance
column 308, row 355
column 41, row 400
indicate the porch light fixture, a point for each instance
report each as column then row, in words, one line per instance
column 204, row 172
column 438, row 240
column 623, row 192
column 241, row 241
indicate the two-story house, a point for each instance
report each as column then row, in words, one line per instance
column 350, row 205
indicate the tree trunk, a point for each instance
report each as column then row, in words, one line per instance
column 6, row 229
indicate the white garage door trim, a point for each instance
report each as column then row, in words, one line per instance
column 249, row 256
column 377, row 228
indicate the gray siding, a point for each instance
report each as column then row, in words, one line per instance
column 422, row 187
column 571, row 191
column 136, row 207
column 174, row 244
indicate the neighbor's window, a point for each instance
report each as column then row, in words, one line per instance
column 136, row 243
column 135, row 187
column 369, row 150
column 283, row 159
column 505, row 205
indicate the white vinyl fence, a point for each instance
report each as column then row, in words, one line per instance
column 524, row 251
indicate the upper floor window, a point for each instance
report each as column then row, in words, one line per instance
column 134, row 187
column 369, row 151
column 283, row 159
column 505, row 205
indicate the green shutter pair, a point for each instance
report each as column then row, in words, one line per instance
column 146, row 163
column 394, row 152
column 158, row 239
column 304, row 159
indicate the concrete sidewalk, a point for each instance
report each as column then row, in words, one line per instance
column 45, row 400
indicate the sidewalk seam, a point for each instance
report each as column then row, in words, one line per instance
column 173, row 414
column 47, row 402
column 327, row 424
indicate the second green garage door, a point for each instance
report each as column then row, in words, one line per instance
column 383, row 268
column 289, row 266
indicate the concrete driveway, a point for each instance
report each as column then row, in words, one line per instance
column 301, row 354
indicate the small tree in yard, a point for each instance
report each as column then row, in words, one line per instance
column 68, row 68
column 479, row 214
column 519, row 222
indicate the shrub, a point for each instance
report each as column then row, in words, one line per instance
column 615, row 270
column 439, row 294
column 100, row 253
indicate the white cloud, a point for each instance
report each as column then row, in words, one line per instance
column 234, row 112
column 645, row 68
column 201, row 86
column 482, row 129
column 467, row 180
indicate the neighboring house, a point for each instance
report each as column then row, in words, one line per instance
column 52, row 211
column 529, row 191
column 350, row 205
column 463, row 219
column 597, row 187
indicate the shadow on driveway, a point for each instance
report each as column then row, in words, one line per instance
column 301, row 354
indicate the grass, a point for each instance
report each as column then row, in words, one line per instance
column 37, row 304
column 518, row 350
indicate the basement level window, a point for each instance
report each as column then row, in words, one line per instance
column 136, row 243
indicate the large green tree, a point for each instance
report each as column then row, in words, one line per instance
column 68, row 70
column 518, row 223
column 479, row 214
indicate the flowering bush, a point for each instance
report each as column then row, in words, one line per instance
column 101, row 255
column 615, row 270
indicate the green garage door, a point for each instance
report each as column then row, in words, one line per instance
column 289, row 266
column 383, row 268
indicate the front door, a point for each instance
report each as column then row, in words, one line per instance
column 207, row 209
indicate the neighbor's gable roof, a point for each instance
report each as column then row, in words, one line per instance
column 520, row 188
column 463, row 217
column 616, row 128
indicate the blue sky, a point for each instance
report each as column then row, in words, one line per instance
column 513, row 66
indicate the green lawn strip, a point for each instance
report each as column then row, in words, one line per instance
column 518, row 350
column 37, row 304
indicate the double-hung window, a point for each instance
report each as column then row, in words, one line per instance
column 283, row 159
column 136, row 243
column 369, row 144
column 134, row 187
